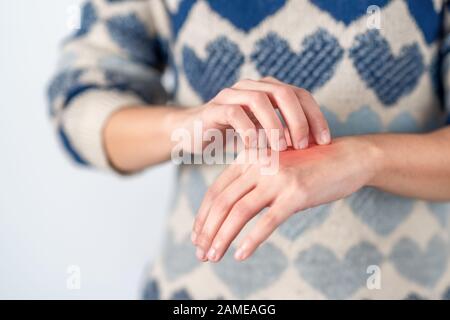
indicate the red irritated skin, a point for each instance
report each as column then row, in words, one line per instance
column 305, row 178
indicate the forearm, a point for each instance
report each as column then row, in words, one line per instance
column 138, row 137
column 413, row 165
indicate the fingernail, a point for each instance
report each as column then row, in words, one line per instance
column 239, row 254
column 303, row 144
column 325, row 137
column 193, row 237
column 212, row 254
column 200, row 254
column 282, row 144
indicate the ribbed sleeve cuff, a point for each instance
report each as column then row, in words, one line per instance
column 85, row 117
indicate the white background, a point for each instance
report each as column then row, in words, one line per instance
column 52, row 213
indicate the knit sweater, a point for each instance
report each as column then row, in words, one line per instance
column 384, row 72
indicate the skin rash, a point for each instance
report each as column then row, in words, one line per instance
column 305, row 178
column 312, row 172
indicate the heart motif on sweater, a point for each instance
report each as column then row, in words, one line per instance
column 347, row 11
column 131, row 34
column 195, row 188
column 367, row 121
column 245, row 15
column 427, row 19
column 391, row 77
column 335, row 278
column 88, row 18
column 300, row 222
column 441, row 211
column 257, row 272
column 424, row 267
column 361, row 121
column 366, row 204
column 219, row 70
column 179, row 17
column 179, row 257
column 309, row 69
column 151, row 290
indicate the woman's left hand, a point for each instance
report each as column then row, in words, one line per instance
column 304, row 179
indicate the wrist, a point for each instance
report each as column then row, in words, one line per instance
column 375, row 158
column 180, row 118
column 368, row 153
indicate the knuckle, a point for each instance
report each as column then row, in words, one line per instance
column 259, row 97
column 232, row 111
column 300, row 189
column 301, row 126
column 241, row 210
column 204, row 239
column 270, row 79
column 271, row 220
column 285, row 92
column 220, row 205
column 304, row 93
column 211, row 194
column 243, row 82
column 225, row 92
column 319, row 120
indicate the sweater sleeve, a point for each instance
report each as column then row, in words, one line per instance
column 114, row 60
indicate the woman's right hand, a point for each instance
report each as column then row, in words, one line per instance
column 137, row 137
column 250, row 105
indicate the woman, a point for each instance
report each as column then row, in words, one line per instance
column 362, row 216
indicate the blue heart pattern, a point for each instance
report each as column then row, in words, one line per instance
column 245, row 15
column 179, row 17
column 441, row 211
column 181, row 294
column 362, row 121
column 195, row 188
column 367, row 121
column 382, row 212
column 296, row 225
column 427, row 19
column 179, row 257
column 422, row 267
column 219, row 70
column 309, row 69
column 347, row 11
column 415, row 296
column 141, row 46
column 390, row 77
column 88, row 18
column 259, row 271
column 337, row 279
column 151, row 291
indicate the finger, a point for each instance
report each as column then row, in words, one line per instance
column 238, row 119
column 284, row 97
column 226, row 177
column 242, row 212
column 316, row 120
column 260, row 105
column 219, row 211
column 276, row 215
